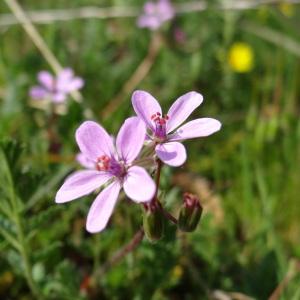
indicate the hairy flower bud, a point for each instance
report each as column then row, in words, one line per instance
column 190, row 213
column 153, row 222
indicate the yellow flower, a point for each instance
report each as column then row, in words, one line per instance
column 287, row 9
column 177, row 272
column 240, row 57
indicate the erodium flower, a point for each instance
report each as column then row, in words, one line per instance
column 56, row 89
column 164, row 130
column 112, row 165
column 155, row 14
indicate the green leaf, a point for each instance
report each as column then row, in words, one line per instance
column 44, row 189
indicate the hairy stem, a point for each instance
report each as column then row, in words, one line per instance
column 155, row 200
column 120, row 254
column 157, row 179
column 168, row 215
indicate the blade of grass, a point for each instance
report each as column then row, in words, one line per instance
column 277, row 38
column 90, row 12
column 45, row 189
column 140, row 73
column 38, row 40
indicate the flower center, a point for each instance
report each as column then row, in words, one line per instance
column 103, row 163
column 160, row 125
column 108, row 164
column 53, row 86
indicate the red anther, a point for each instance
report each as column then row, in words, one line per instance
column 103, row 163
column 158, row 113
column 166, row 117
column 153, row 116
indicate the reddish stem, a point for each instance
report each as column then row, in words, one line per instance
column 155, row 200
column 120, row 254
column 168, row 215
column 157, row 180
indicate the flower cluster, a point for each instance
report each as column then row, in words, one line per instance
column 56, row 88
column 120, row 163
column 155, row 14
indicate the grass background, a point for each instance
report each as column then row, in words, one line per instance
column 247, row 175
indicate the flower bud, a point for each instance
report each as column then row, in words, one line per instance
column 153, row 222
column 190, row 213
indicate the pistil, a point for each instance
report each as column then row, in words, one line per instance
column 103, row 163
column 160, row 125
column 108, row 164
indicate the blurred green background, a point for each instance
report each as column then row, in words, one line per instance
column 247, row 175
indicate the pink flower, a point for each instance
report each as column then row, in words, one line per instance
column 111, row 165
column 56, row 89
column 179, row 35
column 155, row 14
column 164, row 129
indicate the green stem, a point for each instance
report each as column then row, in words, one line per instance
column 229, row 18
column 120, row 254
column 96, row 254
column 157, row 179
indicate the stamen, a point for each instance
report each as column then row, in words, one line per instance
column 109, row 164
column 160, row 125
column 103, row 163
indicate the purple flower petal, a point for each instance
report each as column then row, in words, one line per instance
column 102, row 208
column 46, row 79
column 145, row 106
column 76, row 84
column 138, row 185
column 173, row 154
column 58, row 97
column 63, row 80
column 130, row 139
column 182, row 108
column 66, row 82
column 155, row 14
column 166, row 10
column 80, row 184
column 85, row 162
column 65, row 74
column 196, row 128
column 38, row 93
column 150, row 22
column 149, row 7
column 93, row 140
